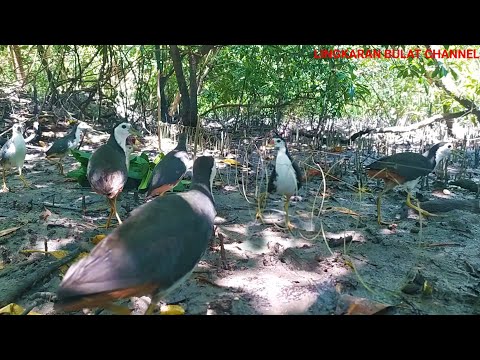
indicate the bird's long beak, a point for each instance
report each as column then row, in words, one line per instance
column 137, row 139
column 270, row 144
column 94, row 132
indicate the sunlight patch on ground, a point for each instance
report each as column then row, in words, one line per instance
column 280, row 291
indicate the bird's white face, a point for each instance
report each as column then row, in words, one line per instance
column 17, row 129
column 278, row 143
column 122, row 132
column 443, row 151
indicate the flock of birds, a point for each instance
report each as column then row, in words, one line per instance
column 158, row 246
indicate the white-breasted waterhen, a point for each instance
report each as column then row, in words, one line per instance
column 107, row 169
column 62, row 146
column 12, row 154
column 170, row 170
column 406, row 169
column 286, row 177
column 152, row 252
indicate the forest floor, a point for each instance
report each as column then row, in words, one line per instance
column 416, row 267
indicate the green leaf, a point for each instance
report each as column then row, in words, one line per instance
column 158, row 158
column 454, row 74
column 138, row 171
column 351, row 92
column 139, row 160
column 144, row 156
column 82, row 156
column 182, row 185
column 443, row 71
column 77, row 173
column 144, row 184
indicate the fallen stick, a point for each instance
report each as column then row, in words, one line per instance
column 15, row 267
column 443, row 244
column 446, row 205
column 466, row 184
column 8, row 296
column 60, row 206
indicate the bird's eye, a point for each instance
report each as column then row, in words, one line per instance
column 449, row 146
column 124, row 126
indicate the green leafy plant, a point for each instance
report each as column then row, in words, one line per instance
column 140, row 170
column 81, row 173
column 182, row 185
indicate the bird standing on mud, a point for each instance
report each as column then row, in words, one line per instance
column 12, row 154
column 63, row 145
column 286, row 177
column 406, row 169
column 107, row 169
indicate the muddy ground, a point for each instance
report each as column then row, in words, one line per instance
column 416, row 267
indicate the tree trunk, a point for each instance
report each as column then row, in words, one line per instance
column 18, row 63
column 53, row 88
column 182, row 85
column 193, row 61
column 162, row 81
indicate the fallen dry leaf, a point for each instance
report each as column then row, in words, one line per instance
column 337, row 149
column 351, row 305
column 15, row 309
column 57, row 254
column 97, row 238
column 45, row 214
column 171, row 310
column 343, row 210
column 231, row 162
column 312, row 173
column 8, row 231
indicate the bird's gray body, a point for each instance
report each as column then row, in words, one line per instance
column 61, row 146
column 107, row 168
column 157, row 247
column 409, row 167
column 148, row 247
column 171, row 169
column 286, row 177
column 13, row 152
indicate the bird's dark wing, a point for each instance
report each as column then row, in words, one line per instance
column 3, row 141
column 107, row 170
column 272, row 181
column 154, row 248
column 298, row 174
column 59, row 147
column 408, row 165
column 7, row 150
column 169, row 171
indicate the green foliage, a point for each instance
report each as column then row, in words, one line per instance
column 139, row 166
column 249, row 81
column 182, row 185
column 140, row 169
column 148, row 176
column 81, row 173
column 82, row 156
